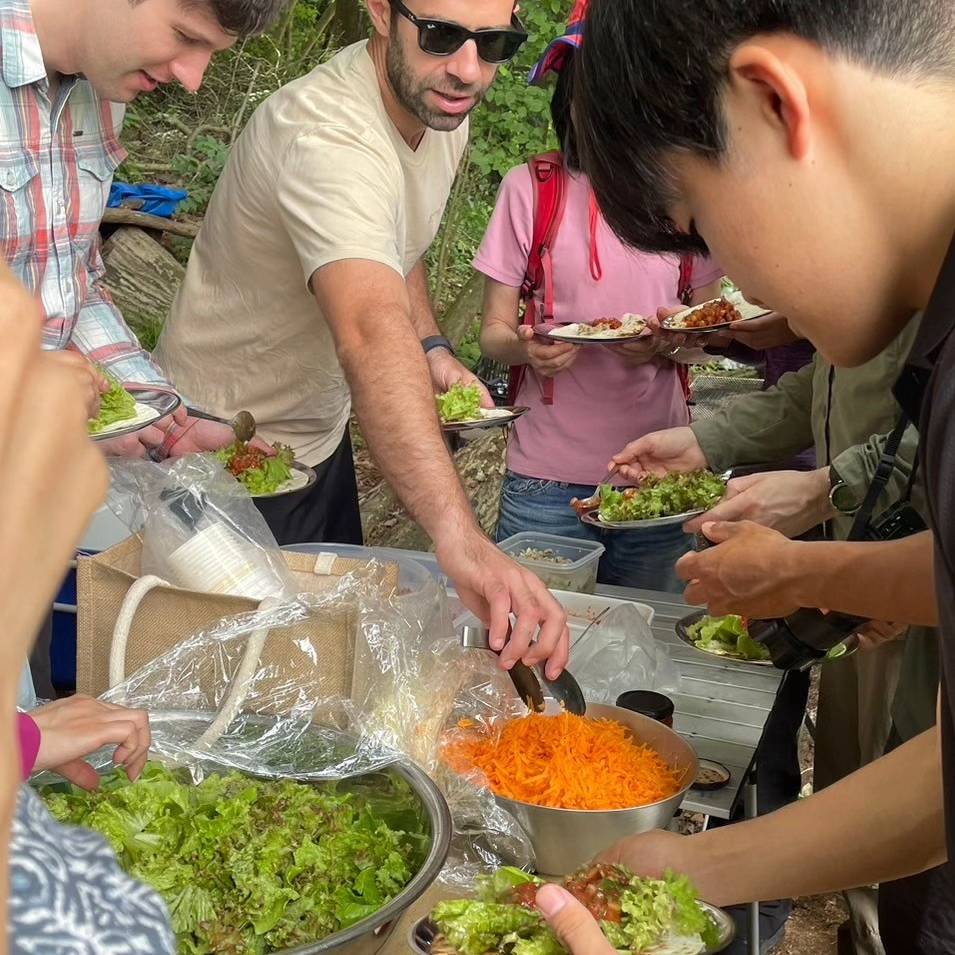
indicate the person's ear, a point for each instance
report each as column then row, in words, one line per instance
column 379, row 11
column 774, row 90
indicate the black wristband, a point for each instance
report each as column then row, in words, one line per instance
column 436, row 341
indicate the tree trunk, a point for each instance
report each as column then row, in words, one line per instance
column 142, row 277
column 349, row 22
column 460, row 316
column 481, row 466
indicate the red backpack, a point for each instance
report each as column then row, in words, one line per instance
column 549, row 179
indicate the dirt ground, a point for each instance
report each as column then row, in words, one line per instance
column 812, row 927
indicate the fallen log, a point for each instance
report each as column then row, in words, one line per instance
column 143, row 220
column 143, row 279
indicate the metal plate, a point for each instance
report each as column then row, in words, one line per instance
column 838, row 652
column 150, row 407
column 303, row 477
column 424, row 931
column 747, row 312
column 591, row 517
column 682, row 628
column 503, row 418
column 546, row 330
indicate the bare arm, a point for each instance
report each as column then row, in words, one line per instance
column 422, row 312
column 445, row 369
column 504, row 339
column 759, row 573
column 499, row 324
column 840, row 838
column 368, row 308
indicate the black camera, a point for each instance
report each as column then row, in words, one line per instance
column 900, row 520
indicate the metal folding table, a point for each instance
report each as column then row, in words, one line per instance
column 722, row 709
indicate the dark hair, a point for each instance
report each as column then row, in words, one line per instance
column 651, row 76
column 242, row 18
column 561, row 114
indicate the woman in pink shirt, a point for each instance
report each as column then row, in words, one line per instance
column 603, row 397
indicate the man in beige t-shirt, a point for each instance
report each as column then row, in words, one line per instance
column 306, row 291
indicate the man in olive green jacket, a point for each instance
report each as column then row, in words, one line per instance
column 845, row 414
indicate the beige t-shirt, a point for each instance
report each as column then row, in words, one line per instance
column 320, row 174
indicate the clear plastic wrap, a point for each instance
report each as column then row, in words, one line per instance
column 200, row 528
column 619, row 654
column 249, row 695
column 419, row 682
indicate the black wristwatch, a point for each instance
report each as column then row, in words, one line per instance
column 436, row 341
column 841, row 496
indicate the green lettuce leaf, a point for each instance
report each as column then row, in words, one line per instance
column 727, row 635
column 250, row 866
column 461, row 403
column 269, row 476
column 474, row 928
column 114, row 406
column 654, row 911
column 662, row 497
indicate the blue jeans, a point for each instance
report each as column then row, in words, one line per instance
column 640, row 558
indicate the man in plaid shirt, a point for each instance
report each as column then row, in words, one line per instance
column 66, row 69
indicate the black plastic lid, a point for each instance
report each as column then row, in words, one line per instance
column 655, row 705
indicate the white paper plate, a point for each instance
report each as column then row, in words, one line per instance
column 572, row 333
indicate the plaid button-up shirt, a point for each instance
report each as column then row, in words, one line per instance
column 57, row 160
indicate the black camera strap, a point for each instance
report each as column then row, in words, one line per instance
column 880, row 479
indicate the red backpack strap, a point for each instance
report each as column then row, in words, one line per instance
column 685, row 287
column 685, row 294
column 548, row 179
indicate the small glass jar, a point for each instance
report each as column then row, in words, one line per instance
column 649, row 703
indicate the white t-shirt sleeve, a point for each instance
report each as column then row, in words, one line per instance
column 339, row 196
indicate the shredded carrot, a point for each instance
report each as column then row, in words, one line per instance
column 565, row 762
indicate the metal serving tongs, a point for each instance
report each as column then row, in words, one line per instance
column 527, row 680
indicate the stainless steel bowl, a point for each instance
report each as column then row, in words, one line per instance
column 369, row 935
column 566, row 839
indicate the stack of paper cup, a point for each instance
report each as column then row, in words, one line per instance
column 216, row 560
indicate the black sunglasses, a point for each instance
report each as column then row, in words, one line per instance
column 440, row 38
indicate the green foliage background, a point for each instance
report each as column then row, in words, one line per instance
column 180, row 139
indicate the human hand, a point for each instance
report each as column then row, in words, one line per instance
column 198, row 435
column 78, row 726
column 767, row 331
column 547, row 359
column 687, row 339
column 877, row 633
column 790, row 502
column 573, row 924
column 660, row 453
column 446, row 371
column 136, row 445
column 642, row 350
column 747, row 573
column 90, row 379
column 492, row 586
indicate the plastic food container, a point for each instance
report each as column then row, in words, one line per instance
column 572, row 567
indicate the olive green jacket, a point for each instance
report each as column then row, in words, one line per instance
column 846, row 414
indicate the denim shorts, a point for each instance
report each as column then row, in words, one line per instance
column 639, row 558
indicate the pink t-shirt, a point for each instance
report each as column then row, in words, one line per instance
column 601, row 402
